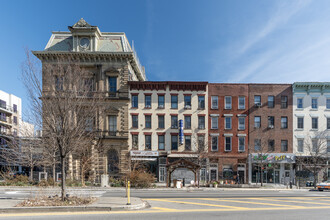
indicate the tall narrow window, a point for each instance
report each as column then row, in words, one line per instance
column 227, row 102
column 15, row 120
column 161, row 121
column 227, row 122
column 214, row 143
column 315, row 145
column 271, row 101
column 328, row 146
column 201, row 143
column 147, row 121
column 257, row 121
column 201, row 102
column 284, row 145
column 135, row 101
column 214, row 122
column 328, row 103
column 187, row 142
column 300, row 122
column 187, row 101
column 174, row 121
column 15, row 108
column 227, row 143
column 112, row 84
column 328, row 123
column 147, row 101
column 257, row 144
column 161, row 101
column 315, row 123
column 257, row 100
column 201, row 122
column 271, row 145
column 174, row 142
column 314, row 103
column 135, row 141
column 300, row 103
column 174, row 101
column 284, row 122
column 148, row 142
column 284, row 101
column 241, row 102
column 89, row 124
column 135, row 121
column 187, row 122
column 241, row 144
column 161, row 142
column 214, row 101
column 270, row 122
column 241, row 123
column 300, row 145
column 59, row 83
column 113, row 125
column 3, row 104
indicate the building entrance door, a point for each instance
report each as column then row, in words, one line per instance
column 277, row 176
column 213, row 174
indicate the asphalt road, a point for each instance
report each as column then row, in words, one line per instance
column 216, row 204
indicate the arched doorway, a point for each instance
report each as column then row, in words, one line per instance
column 113, row 162
column 179, row 164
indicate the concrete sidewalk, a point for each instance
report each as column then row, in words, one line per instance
column 102, row 204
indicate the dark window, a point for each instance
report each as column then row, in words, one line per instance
column 284, row 145
column 187, row 122
column 300, row 103
column 135, row 121
column 187, row 101
column 3, row 104
column 271, row 101
column 15, row 108
column 271, row 145
column 112, row 84
column 59, row 83
column 201, row 122
column 148, row 142
column 161, row 101
column 187, row 142
column 174, row 142
column 270, row 121
column 135, row 141
column 147, row 101
column 135, row 101
column 300, row 122
column 201, row 102
column 161, row 142
column 15, row 120
column 214, row 143
column 112, row 124
column 161, row 121
column 284, row 101
column 257, row 100
column 315, row 123
column 257, row 144
column 241, row 144
column 201, row 143
column 284, row 122
column 328, row 103
column 148, row 121
column 174, row 101
column 328, row 123
column 228, row 143
column 314, row 103
column 3, row 117
column 257, row 121
column 174, row 121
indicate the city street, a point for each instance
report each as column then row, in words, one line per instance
column 215, row 204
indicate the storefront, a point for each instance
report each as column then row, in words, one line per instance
column 273, row 168
column 147, row 160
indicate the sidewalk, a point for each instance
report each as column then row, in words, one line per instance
column 102, row 204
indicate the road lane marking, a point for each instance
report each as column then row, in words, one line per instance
column 196, row 203
column 282, row 200
column 247, row 202
column 164, row 209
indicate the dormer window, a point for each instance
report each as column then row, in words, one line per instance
column 84, row 43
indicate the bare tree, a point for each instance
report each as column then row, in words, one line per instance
column 64, row 105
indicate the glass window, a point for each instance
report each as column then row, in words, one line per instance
column 161, row 121
column 187, row 122
column 112, row 84
column 227, row 122
column 135, row 141
column 214, row 122
column 201, row 122
column 270, row 121
column 315, row 123
column 271, row 145
column 112, row 123
column 201, row 102
column 148, row 121
column 187, row 101
column 241, row 123
column 228, row 102
column 3, row 116
column 315, row 146
column 135, row 121
column 214, row 143
column 187, row 142
column 174, row 101
column 174, row 121
column 147, row 101
column 174, row 142
column 15, row 120
column 300, row 122
column 227, row 143
column 59, row 83
column 300, row 103
column 257, row 121
column 257, row 100
column 241, row 102
column 161, row 142
column 284, row 145
column 271, row 101
column 135, row 101
column 284, row 122
column 328, row 146
column 241, row 144
column 201, row 143
column 15, row 108
column 257, row 144
column 284, row 101
column 89, row 124
column 328, row 103
column 314, row 103
column 300, row 145
column 328, row 123
column 148, row 142
column 214, row 100
column 161, row 101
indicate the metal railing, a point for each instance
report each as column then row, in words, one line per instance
column 7, row 107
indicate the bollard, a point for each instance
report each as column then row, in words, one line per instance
column 128, row 193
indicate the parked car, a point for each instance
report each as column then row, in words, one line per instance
column 324, row 185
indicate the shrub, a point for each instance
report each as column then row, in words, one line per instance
column 141, row 179
column 116, row 182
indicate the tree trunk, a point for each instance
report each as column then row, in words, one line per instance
column 82, row 176
column 31, row 174
column 63, row 186
column 54, row 172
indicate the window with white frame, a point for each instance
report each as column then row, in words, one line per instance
column 241, row 144
column 314, row 103
column 257, row 121
column 227, row 102
column 241, row 123
column 241, row 102
column 300, row 103
column 214, row 122
column 300, row 122
column 214, row 143
column 227, row 122
column 257, row 100
column 300, row 145
column 227, row 143
column 214, row 101
column 112, row 123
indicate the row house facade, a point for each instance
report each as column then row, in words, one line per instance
column 311, row 125
column 167, row 122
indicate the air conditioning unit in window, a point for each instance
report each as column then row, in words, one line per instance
column 148, row 106
column 258, row 105
column 188, row 107
column 161, row 106
column 270, row 126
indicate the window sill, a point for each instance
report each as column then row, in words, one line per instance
column 174, row 108
column 313, row 109
column 299, row 129
column 241, row 108
column 240, row 129
column 147, row 107
column 241, row 151
column 134, row 107
column 214, row 128
column 228, row 129
column 215, row 150
column 214, row 108
column 187, row 108
column 284, row 128
column 327, row 110
column 187, row 128
column 200, row 108
column 160, row 128
column 201, row 128
column 227, row 151
column 161, row 108
column 299, row 109
column 314, row 129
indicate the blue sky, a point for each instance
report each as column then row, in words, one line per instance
column 216, row 41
